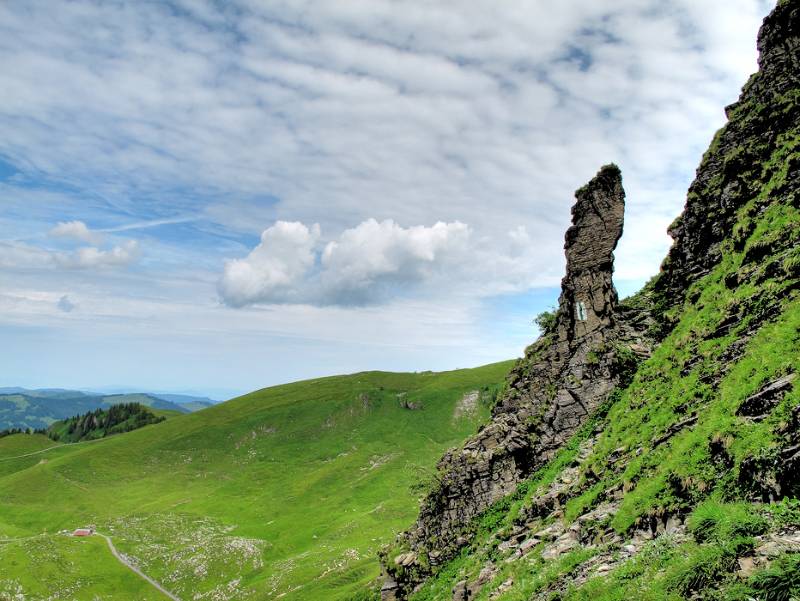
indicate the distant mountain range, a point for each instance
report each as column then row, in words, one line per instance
column 26, row 408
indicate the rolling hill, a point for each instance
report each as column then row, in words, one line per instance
column 286, row 492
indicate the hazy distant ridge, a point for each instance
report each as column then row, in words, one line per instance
column 38, row 408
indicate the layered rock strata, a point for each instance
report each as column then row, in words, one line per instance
column 730, row 173
column 550, row 393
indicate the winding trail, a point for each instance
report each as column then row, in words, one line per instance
column 55, row 446
column 121, row 558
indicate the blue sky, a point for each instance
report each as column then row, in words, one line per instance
column 214, row 197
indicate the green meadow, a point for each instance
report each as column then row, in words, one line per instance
column 286, row 492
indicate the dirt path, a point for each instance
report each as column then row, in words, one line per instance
column 55, row 446
column 121, row 558
column 5, row 541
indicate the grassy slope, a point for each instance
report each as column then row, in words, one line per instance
column 17, row 445
column 60, row 563
column 22, row 451
column 697, row 471
column 682, row 475
column 289, row 489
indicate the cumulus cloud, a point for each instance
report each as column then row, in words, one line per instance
column 90, row 257
column 271, row 272
column 76, row 230
column 374, row 262
column 375, row 259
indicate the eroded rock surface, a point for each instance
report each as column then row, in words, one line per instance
column 551, row 392
column 729, row 175
column 750, row 170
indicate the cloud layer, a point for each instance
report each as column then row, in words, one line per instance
column 376, row 262
column 436, row 144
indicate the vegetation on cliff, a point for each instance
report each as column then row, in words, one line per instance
column 685, row 484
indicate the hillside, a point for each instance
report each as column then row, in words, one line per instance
column 289, row 491
column 648, row 449
column 641, row 449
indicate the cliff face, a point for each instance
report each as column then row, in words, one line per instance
column 733, row 169
column 553, row 497
column 564, row 377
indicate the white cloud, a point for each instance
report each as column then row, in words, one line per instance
column 376, row 263
column 17, row 255
column 376, row 259
column 90, row 257
column 272, row 270
column 76, row 230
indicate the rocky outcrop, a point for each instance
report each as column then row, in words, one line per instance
column 734, row 268
column 730, row 174
column 588, row 299
column 563, row 378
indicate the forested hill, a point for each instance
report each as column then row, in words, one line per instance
column 103, row 422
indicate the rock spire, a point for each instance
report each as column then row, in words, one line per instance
column 550, row 393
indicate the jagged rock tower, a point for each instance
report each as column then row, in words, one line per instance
column 550, row 393
column 740, row 221
column 588, row 298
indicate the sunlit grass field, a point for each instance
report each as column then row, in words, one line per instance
column 286, row 491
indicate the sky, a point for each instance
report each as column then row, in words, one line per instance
column 213, row 197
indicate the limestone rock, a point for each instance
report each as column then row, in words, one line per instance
column 389, row 589
column 767, row 398
column 588, row 298
column 571, row 370
column 460, row 592
column 552, row 391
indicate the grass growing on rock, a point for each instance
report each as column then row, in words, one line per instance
column 675, row 436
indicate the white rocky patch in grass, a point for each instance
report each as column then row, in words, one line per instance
column 42, row 550
column 282, row 570
column 377, row 461
column 341, row 563
column 249, row 438
column 11, row 590
column 467, row 406
column 197, row 558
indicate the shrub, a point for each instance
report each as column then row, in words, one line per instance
column 546, row 321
